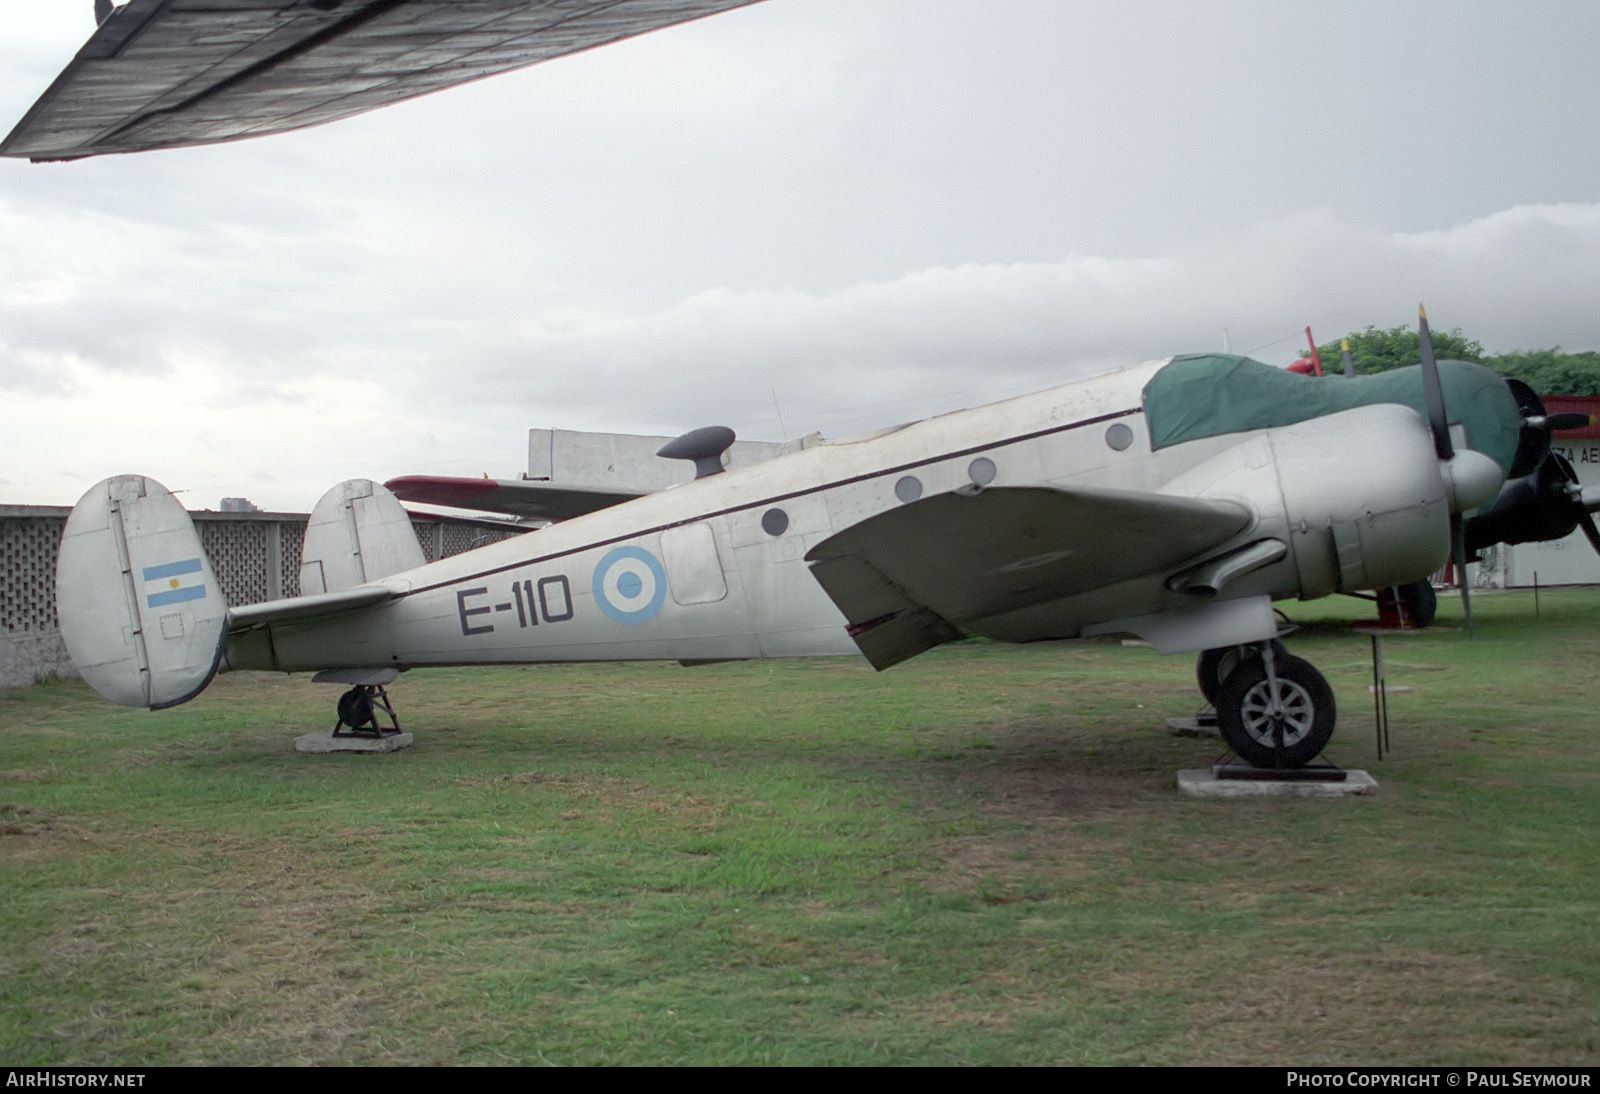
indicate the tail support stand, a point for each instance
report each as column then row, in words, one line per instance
column 358, row 711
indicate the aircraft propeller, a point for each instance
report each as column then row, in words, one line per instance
column 1546, row 504
column 1541, row 498
column 1433, row 399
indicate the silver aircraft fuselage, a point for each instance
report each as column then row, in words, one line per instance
column 716, row 568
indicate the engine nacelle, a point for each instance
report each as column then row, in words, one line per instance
column 1358, row 497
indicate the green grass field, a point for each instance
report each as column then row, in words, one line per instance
column 976, row 857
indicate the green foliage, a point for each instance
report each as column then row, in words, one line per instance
column 1374, row 350
column 1551, row 371
column 1548, row 371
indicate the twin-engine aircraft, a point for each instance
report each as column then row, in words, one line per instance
column 1174, row 501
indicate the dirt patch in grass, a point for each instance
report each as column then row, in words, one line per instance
column 1041, row 788
column 274, row 973
column 29, row 836
column 1004, row 869
column 1053, row 792
column 1288, row 1007
column 1331, row 1009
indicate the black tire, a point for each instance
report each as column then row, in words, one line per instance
column 1248, row 727
column 355, row 709
column 1214, row 666
column 1420, row 602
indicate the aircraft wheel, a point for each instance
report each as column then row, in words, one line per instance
column 355, row 709
column 1216, row 665
column 1420, row 602
column 1249, row 725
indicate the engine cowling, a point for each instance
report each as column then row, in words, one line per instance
column 1358, row 496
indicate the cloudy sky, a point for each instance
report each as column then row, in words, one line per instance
column 806, row 214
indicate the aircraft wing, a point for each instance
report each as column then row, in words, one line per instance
column 925, row 573
column 518, row 497
column 174, row 73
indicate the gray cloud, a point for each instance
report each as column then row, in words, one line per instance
column 870, row 212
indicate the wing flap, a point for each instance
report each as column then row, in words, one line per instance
column 887, row 625
column 173, row 73
column 962, row 558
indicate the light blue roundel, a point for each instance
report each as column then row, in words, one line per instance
column 629, row 584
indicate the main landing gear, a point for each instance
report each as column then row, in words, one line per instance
column 1273, row 709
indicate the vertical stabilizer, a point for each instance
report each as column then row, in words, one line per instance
column 140, row 610
column 358, row 532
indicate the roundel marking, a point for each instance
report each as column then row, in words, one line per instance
column 629, row 584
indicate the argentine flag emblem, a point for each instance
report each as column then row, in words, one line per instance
column 174, row 582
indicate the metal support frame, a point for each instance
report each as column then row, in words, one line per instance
column 1380, row 695
column 358, row 711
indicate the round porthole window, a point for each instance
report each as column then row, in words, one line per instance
column 908, row 488
column 981, row 470
column 1119, row 436
column 774, row 522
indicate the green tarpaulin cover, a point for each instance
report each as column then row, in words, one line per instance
column 1210, row 394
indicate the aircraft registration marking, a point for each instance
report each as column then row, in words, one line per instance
column 174, row 582
column 548, row 600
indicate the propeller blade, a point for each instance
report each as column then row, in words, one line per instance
column 1433, row 390
column 1344, row 352
column 1533, row 442
column 1458, row 552
column 1565, row 420
column 1586, row 522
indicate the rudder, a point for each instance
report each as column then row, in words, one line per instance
column 140, row 610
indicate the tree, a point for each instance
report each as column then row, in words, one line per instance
column 1550, row 371
column 1375, row 350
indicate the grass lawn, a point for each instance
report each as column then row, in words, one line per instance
column 976, row 857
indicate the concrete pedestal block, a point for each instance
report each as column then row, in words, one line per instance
column 325, row 741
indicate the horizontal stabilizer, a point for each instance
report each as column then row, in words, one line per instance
column 173, row 73
column 518, row 497
column 141, row 612
column 956, row 560
column 300, row 608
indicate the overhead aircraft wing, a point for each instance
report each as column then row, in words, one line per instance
column 174, row 73
column 925, row 573
column 518, row 497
